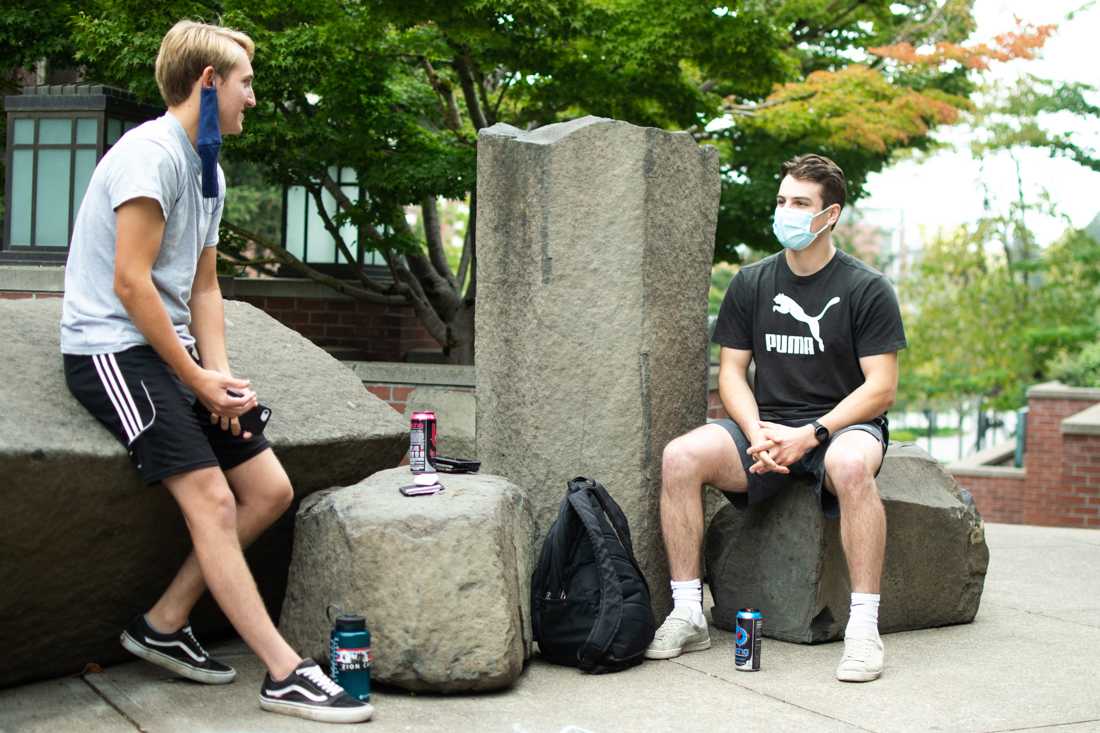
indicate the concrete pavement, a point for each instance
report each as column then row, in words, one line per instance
column 1030, row 661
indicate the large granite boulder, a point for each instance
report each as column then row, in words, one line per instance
column 786, row 559
column 84, row 545
column 443, row 580
column 595, row 239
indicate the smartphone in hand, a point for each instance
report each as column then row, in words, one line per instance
column 255, row 420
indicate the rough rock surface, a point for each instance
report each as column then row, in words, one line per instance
column 443, row 580
column 595, row 240
column 84, row 545
column 785, row 558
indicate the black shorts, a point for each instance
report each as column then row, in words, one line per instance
column 160, row 421
column 810, row 468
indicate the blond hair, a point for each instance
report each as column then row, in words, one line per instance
column 190, row 47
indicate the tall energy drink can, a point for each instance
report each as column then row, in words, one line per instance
column 746, row 655
column 422, row 434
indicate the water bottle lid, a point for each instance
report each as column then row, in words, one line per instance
column 350, row 622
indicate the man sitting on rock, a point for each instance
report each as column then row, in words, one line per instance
column 824, row 330
column 143, row 338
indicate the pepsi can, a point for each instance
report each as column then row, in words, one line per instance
column 422, row 434
column 746, row 654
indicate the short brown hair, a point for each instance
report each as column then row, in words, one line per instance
column 188, row 48
column 821, row 170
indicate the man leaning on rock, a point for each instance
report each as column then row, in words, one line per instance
column 143, row 339
column 824, row 330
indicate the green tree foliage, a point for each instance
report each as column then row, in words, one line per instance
column 397, row 89
column 979, row 326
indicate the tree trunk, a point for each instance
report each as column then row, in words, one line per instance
column 460, row 329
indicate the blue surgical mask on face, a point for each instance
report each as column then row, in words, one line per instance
column 209, row 140
column 792, row 227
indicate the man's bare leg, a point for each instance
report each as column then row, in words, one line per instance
column 706, row 455
column 850, row 464
column 263, row 493
column 210, row 510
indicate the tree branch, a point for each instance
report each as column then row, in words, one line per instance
column 433, row 237
column 336, row 284
column 334, row 232
column 469, row 93
column 445, row 92
column 504, row 87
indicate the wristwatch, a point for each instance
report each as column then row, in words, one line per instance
column 820, row 432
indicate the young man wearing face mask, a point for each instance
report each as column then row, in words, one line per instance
column 824, row 330
column 143, row 339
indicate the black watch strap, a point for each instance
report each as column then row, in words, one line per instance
column 820, row 432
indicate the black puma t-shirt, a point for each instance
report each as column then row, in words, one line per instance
column 807, row 334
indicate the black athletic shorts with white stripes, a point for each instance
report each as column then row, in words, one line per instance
column 160, row 421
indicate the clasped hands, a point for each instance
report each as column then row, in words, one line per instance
column 775, row 446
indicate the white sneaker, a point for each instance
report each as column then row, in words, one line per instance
column 863, row 659
column 678, row 634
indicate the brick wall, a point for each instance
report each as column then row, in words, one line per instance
column 367, row 331
column 1059, row 484
column 998, row 498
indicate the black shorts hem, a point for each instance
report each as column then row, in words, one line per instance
column 236, row 460
column 164, row 473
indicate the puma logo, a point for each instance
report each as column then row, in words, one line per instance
column 785, row 304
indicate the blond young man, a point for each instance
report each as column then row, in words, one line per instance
column 824, row 330
column 142, row 334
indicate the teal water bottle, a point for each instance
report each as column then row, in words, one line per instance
column 350, row 656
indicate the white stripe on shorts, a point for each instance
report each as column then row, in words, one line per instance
column 106, row 376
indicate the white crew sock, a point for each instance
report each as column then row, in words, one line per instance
column 863, row 617
column 689, row 594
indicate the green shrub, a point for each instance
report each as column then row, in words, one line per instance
column 1081, row 369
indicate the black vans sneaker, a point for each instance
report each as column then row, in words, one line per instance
column 179, row 652
column 307, row 692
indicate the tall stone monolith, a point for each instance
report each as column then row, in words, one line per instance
column 594, row 242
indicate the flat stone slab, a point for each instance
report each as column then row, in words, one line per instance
column 786, row 559
column 443, row 580
column 84, row 545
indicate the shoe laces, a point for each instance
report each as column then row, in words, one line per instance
column 671, row 625
column 186, row 630
column 859, row 648
column 322, row 680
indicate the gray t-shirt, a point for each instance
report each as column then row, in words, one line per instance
column 155, row 160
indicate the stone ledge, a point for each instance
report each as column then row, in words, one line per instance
column 397, row 372
column 1086, row 422
column 985, row 463
column 36, row 278
column 1059, row 391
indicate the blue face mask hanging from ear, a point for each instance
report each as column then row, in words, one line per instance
column 209, row 141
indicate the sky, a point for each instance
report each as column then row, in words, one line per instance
column 945, row 189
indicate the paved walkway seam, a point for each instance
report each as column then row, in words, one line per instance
column 114, row 707
column 773, row 697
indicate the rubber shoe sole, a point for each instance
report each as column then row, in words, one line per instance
column 696, row 646
column 205, row 676
column 317, row 713
column 856, row 676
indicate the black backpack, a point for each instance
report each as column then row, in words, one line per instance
column 590, row 604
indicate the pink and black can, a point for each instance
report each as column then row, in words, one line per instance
column 423, row 428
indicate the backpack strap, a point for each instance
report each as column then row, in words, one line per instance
column 618, row 521
column 611, row 598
